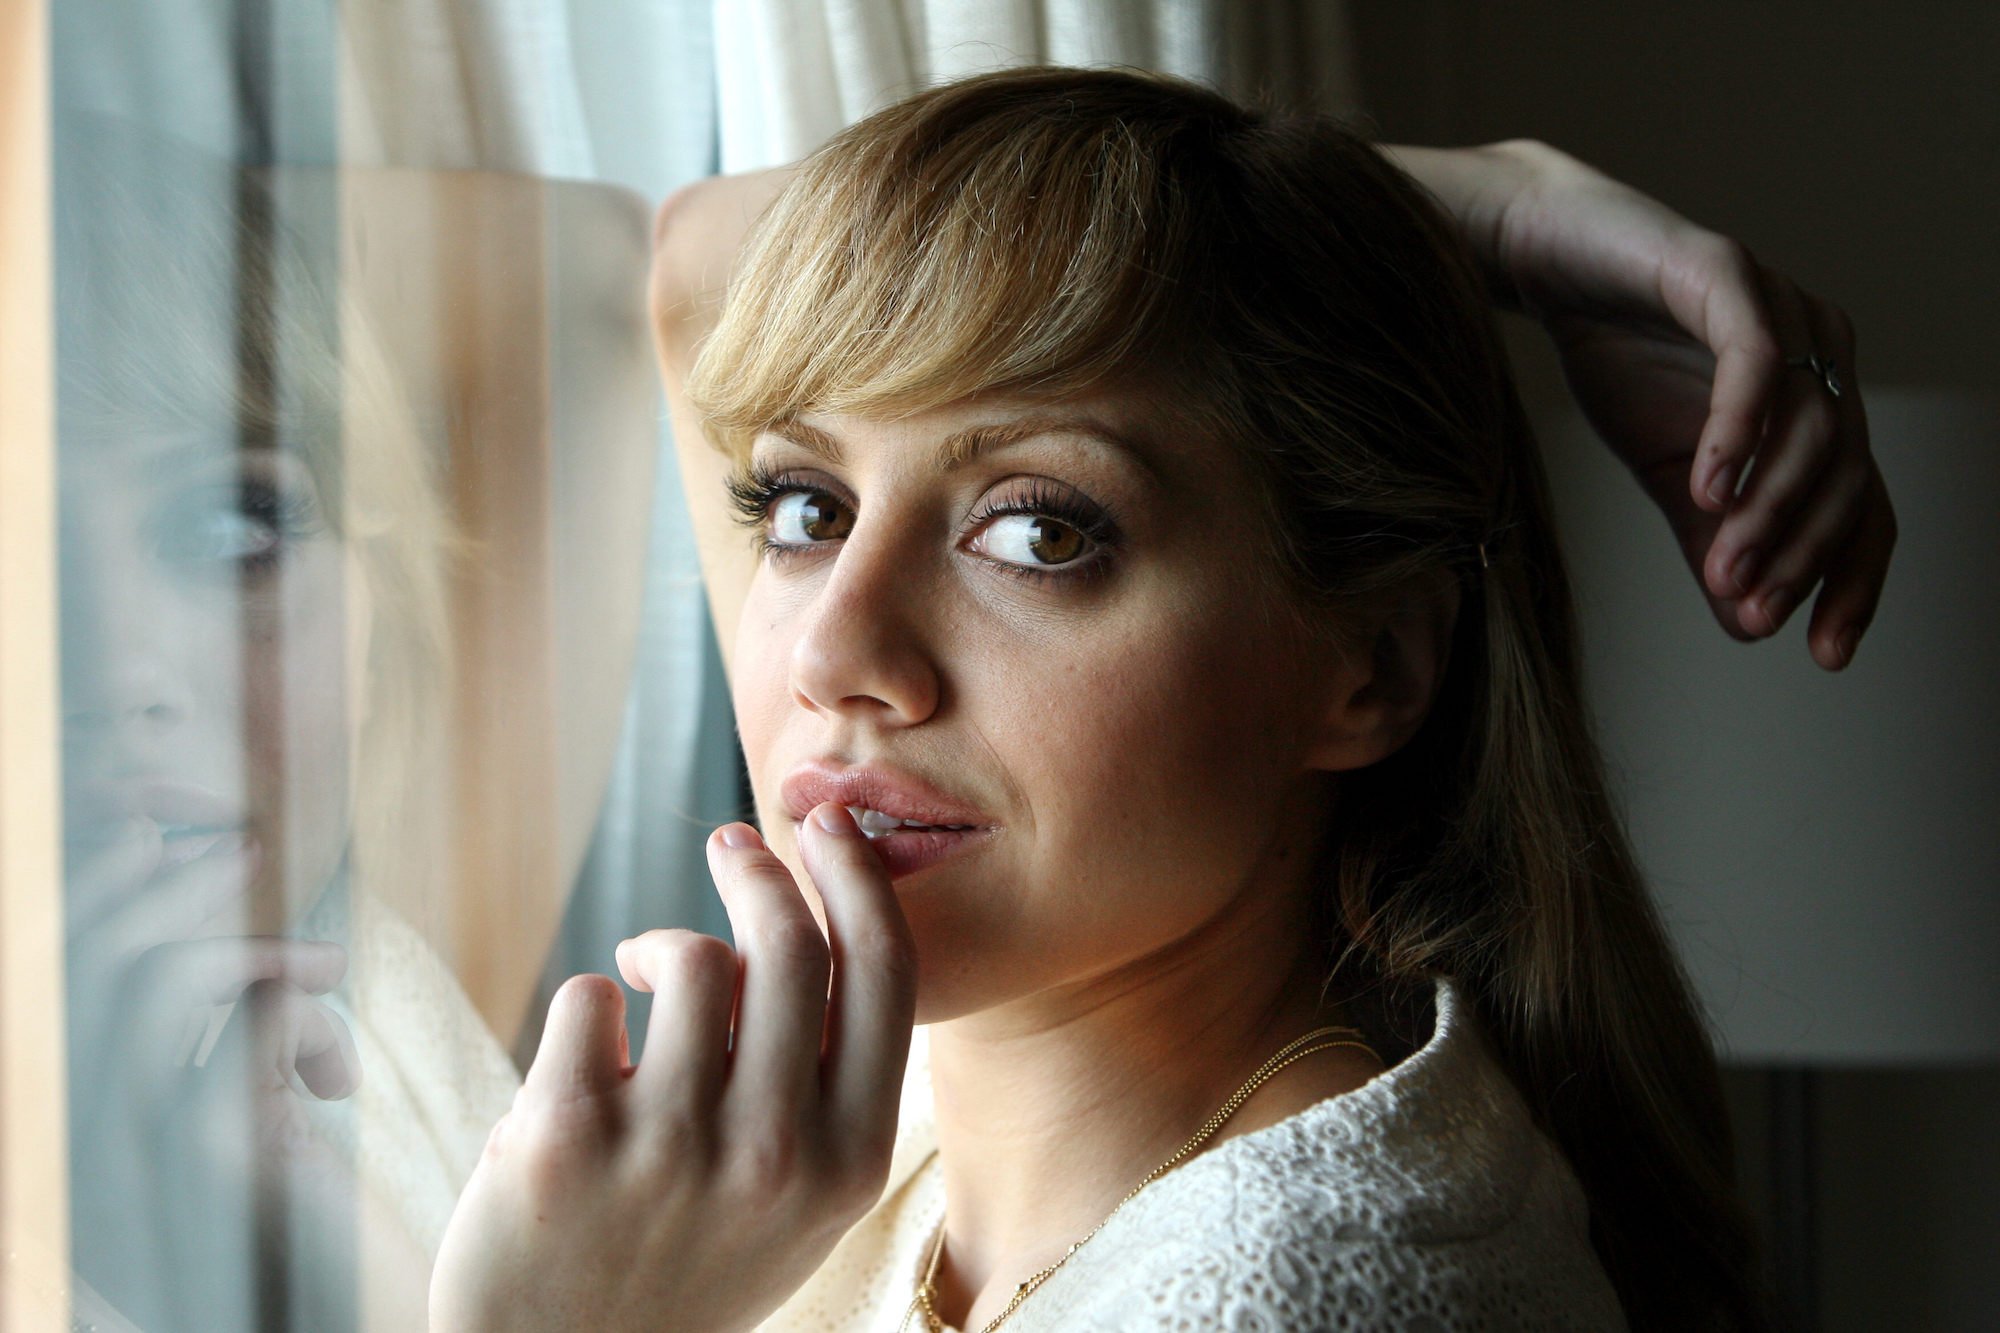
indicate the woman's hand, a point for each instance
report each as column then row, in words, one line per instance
column 701, row 1188
column 1679, row 346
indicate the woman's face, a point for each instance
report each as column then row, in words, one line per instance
column 1045, row 614
column 204, row 663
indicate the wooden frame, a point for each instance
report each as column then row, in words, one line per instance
column 34, row 1152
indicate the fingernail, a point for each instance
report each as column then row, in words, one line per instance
column 1720, row 485
column 1849, row 639
column 740, row 836
column 1743, row 568
column 833, row 819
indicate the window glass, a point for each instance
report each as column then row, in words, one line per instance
column 362, row 543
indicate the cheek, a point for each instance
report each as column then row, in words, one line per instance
column 759, row 682
column 1177, row 719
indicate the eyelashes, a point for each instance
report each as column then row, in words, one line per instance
column 756, row 489
column 752, row 492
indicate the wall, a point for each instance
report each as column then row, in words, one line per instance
column 1860, row 153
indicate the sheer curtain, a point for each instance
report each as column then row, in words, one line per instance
column 789, row 73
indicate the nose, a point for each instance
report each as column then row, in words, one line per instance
column 861, row 654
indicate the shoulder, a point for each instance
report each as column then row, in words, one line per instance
column 1427, row 1199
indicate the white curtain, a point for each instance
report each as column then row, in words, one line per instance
column 790, row 73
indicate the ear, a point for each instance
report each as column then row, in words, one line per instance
column 1377, row 697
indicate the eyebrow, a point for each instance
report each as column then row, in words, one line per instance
column 963, row 446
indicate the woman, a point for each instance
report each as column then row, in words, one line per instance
column 1141, row 509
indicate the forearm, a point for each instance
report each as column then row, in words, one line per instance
column 1477, row 186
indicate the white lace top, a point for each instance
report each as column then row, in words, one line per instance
column 1426, row 1199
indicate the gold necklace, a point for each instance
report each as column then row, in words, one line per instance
column 1299, row 1049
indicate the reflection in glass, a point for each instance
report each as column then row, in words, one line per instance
column 355, row 469
column 203, row 568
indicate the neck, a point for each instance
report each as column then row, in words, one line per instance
column 1050, row 1112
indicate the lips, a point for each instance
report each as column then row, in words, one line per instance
column 954, row 825
column 192, row 820
column 896, row 794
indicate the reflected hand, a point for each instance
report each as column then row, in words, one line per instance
column 171, row 1138
column 1676, row 342
column 154, row 967
column 707, row 1184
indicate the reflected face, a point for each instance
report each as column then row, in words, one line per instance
column 204, row 664
column 1042, row 616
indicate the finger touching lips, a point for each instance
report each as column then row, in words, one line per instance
column 873, row 994
column 781, row 1010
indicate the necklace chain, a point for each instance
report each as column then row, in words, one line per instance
column 1298, row 1049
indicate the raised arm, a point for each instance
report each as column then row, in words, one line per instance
column 697, row 236
column 1692, row 359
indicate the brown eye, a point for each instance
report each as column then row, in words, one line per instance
column 1054, row 544
column 1032, row 540
column 801, row 518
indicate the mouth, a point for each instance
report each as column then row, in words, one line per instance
column 182, row 843
column 193, row 821
column 875, row 824
column 910, row 822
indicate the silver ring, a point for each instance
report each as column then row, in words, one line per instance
column 1823, row 367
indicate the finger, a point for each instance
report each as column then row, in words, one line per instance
column 1847, row 603
column 1797, row 441
column 100, row 873
column 216, row 971
column 781, row 1002
column 169, row 1005
column 693, row 979
column 1713, row 289
column 322, row 1052
column 278, row 1032
column 1808, row 550
column 874, row 992
column 200, row 897
column 1808, row 487
column 292, row 1033
column 1854, row 581
column 583, row 1040
column 1694, row 529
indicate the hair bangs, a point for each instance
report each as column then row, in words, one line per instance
column 928, row 255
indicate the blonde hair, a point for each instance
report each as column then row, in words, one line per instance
column 1280, row 283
